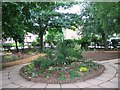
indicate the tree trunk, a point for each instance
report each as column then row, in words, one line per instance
column 16, row 46
column 41, row 41
column 23, row 47
column 104, row 41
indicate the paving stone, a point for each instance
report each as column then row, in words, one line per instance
column 4, row 78
column 114, row 80
column 5, row 82
column 109, row 85
column 41, row 89
column 26, row 89
column 103, row 78
column 11, row 86
column 71, row 89
column 83, row 84
column 9, row 68
column 14, row 71
column 53, row 86
column 5, row 71
column 15, row 76
column 107, row 75
column 22, row 87
column 110, row 70
column 39, row 85
column 104, row 61
column 24, row 83
column 94, row 81
column 117, row 75
column 96, row 87
column 52, row 89
column 5, row 75
column 9, row 89
column 68, row 86
column 115, row 65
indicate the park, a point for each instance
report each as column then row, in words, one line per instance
column 60, row 45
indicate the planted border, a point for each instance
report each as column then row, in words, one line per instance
column 89, row 75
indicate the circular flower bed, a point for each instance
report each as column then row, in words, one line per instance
column 76, row 72
column 64, row 64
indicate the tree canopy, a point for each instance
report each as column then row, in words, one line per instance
column 36, row 17
column 101, row 18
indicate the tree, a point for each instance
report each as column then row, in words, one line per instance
column 53, row 37
column 12, row 23
column 44, row 17
column 101, row 19
column 36, row 18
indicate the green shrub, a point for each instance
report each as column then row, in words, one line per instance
column 6, row 46
column 34, row 44
column 14, row 45
column 43, row 63
column 62, row 76
column 67, row 53
column 11, row 58
column 115, row 42
column 90, row 64
column 73, row 74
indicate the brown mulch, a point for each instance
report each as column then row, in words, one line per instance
column 101, row 55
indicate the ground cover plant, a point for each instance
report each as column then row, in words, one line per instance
column 66, row 61
column 10, row 56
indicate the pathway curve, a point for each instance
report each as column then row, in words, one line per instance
column 109, row 79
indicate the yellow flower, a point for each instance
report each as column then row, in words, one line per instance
column 83, row 69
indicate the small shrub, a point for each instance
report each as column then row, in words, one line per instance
column 9, row 58
column 43, row 63
column 6, row 46
column 62, row 76
column 67, row 53
column 74, row 74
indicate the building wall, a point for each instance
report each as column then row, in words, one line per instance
column 70, row 34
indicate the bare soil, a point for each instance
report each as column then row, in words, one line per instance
column 101, row 55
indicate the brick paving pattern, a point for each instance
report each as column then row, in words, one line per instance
column 109, row 79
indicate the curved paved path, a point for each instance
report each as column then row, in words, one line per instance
column 109, row 79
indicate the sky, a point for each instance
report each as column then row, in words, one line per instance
column 75, row 9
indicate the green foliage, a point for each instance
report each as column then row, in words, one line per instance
column 115, row 42
column 101, row 19
column 62, row 76
column 6, row 46
column 13, row 44
column 50, row 53
column 89, row 64
column 85, row 41
column 10, row 58
column 12, row 24
column 67, row 53
column 54, row 36
column 30, row 69
column 34, row 44
column 73, row 74
column 43, row 63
